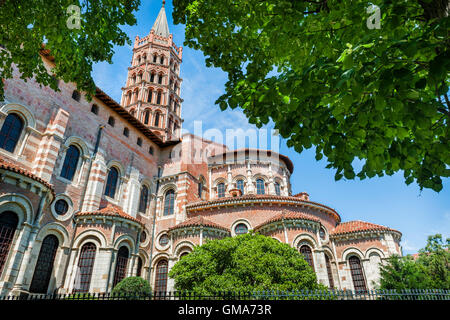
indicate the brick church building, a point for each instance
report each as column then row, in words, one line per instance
column 93, row 192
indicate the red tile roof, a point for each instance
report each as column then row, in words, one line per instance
column 110, row 210
column 231, row 200
column 198, row 221
column 7, row 165
column 288, row 215
column 357, row 226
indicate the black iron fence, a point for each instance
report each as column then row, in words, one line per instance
column 431, row 294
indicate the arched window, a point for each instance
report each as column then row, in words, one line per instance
column 183, row 254
column 111, row 182
column 307, row 253
column 76, row 95
column 85, row 267
column 241, row 228
column 121, row 265
column 152, row 77
column 161, row 276
column 112, row 121
column 169, row 203
column 154, row 58
column 126, row 132
column 134, row 79
column 330, row 273
column 221, row 190
column 146, row 116
column 150, row 150
column 162, row 60
column 357, row 274
column 200, row 188
column 260, row 186
column 44, row 265
column 157, row 119
column 240, row 185
column 94, row 109
column 150, row 96
column 8, row 226
column 10, row 133
column 158, row 98
column 277, row 189
column 61, row 207
column 143, row 199
column 70, row 163
column 139, row 267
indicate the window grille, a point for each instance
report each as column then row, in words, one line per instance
column 169, row 203
column 85, row 267
column 307, row 253
column 44, row 265
column 121, row 265
column 357, row 274
column 161, row 276
column 8, row 226
column 260, row 186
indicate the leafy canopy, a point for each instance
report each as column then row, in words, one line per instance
column 245, row 263
column 431, row 270
column 324, row 78
column 26, row 25
column 132, row 286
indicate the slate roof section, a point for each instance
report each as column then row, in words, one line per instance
column 161, row 27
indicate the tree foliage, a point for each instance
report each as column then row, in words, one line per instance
column 26, row 25
column 132, row 286
column 325, row 79
column 431, row 270
column 244, row 263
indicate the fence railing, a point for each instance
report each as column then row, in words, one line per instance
column 431, row 294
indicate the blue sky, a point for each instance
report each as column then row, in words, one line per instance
column 387, row 201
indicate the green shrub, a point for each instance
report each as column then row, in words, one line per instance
column 132, row 286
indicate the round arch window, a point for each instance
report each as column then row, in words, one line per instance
column 241, row 228
column 322, row 234
column 164, row 240
column 143, row 236
column 61, row 207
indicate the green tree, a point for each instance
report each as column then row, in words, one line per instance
column 431, row 270
column 132, row 286
column 326, row 76
column 403, row 273
column 435, row 257
column 25, row 26
column 245, row 263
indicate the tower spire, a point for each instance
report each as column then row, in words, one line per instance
column 161, row 27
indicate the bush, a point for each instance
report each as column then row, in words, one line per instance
column 132, row 286
column 245, row 263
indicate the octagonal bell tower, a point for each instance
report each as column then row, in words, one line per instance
column 152, row 91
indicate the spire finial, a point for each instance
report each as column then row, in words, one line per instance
column 164, row 3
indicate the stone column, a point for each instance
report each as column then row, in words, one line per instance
column 25, row 263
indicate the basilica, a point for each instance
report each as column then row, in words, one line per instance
column 95, row 191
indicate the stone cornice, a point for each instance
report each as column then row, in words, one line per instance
column 251, row 200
